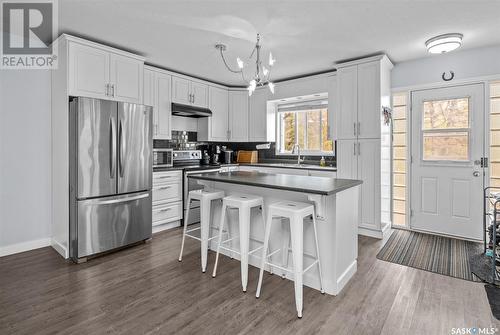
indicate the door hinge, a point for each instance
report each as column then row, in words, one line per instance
column 484, row 162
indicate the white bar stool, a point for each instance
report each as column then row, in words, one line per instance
column 205, row 198
column 296, row 212
column 244, row 203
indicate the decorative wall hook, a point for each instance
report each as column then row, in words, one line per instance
column 452, row 75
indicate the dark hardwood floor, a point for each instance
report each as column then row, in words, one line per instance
column 145, row 290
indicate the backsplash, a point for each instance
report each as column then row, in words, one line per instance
column 188, row 140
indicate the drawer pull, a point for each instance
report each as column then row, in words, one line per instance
column 164, row 187
column 164, row 210
column 164, row 177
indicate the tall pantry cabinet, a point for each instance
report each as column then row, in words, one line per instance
column 363, row 139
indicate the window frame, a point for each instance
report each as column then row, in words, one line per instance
column 303, row 151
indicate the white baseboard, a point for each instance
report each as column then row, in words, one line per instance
column 166, row 226
column 60, row 248
column 346, row 276
column 382, row 234
column 24, row 246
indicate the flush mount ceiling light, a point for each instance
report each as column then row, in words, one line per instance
column 444, row 43
column 261, row 76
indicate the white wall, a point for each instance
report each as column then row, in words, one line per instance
column 25, row 208
column 465, row 63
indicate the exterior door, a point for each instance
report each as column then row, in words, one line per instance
column 96, row 146
column 135, row 143
column 447, row 144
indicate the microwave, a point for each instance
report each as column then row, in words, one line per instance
column 163, row 157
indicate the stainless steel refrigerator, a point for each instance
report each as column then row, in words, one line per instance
column 110, row 168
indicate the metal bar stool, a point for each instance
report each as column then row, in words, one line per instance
column 296, row 212
column 205, row 198
column 244, row 203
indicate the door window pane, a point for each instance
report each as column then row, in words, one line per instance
column 446, row 114
column 446, row 146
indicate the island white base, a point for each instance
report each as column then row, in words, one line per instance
column 337, row 232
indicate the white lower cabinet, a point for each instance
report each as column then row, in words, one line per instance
column 292, row 171
column 167, row 197
column 360, row 159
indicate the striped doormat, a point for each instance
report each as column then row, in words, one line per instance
column 443, row 255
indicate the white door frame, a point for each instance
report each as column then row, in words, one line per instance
column 409, row 134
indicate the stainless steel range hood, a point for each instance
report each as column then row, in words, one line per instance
column 190, row 111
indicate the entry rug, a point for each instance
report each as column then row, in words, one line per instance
column 443, row 255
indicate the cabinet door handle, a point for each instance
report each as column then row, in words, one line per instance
column 113, row 90
column 354, row 128
column 107, row 89
column 194, row 98
column 354, row 149
column 359, row 148
column 359, row 128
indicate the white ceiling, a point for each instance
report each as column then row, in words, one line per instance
column 304, row 36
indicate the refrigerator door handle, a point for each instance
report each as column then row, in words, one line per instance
column 120, row 143
column 112, row 144
column 116, row 201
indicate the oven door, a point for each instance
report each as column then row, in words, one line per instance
column 190, row 185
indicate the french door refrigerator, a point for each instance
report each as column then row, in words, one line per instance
column 110, row 175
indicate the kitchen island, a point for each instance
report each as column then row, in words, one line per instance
column 337, row 212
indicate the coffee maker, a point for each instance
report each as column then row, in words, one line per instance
column 214, row 152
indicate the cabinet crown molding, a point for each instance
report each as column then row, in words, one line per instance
column 79, row 40
column 382, row 58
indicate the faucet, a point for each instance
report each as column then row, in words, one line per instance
column 297, row 146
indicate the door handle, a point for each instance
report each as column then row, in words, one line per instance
column 476, row 173
column 116, row 201
column 112, row 149
column 122, row 145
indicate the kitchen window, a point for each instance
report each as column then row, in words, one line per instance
column 305, row 124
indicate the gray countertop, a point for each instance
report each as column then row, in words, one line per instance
column 305, row 184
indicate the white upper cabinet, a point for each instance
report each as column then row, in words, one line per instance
column 369, row 96
column 157, row 93
column 88, row 71
column 101, row 72
column 217, row 124
column 332, row 105
column 199, row 93
column 181, row 91
column 164, row 103
column 346, row 110
column 149, row 83
column 238, row 116
column 126, row 78
column 257, row 118
column 189, row 92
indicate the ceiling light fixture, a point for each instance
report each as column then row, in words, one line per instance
column 444, row 43
column 262, row 74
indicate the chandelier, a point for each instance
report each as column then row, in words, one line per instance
column 262, row 74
